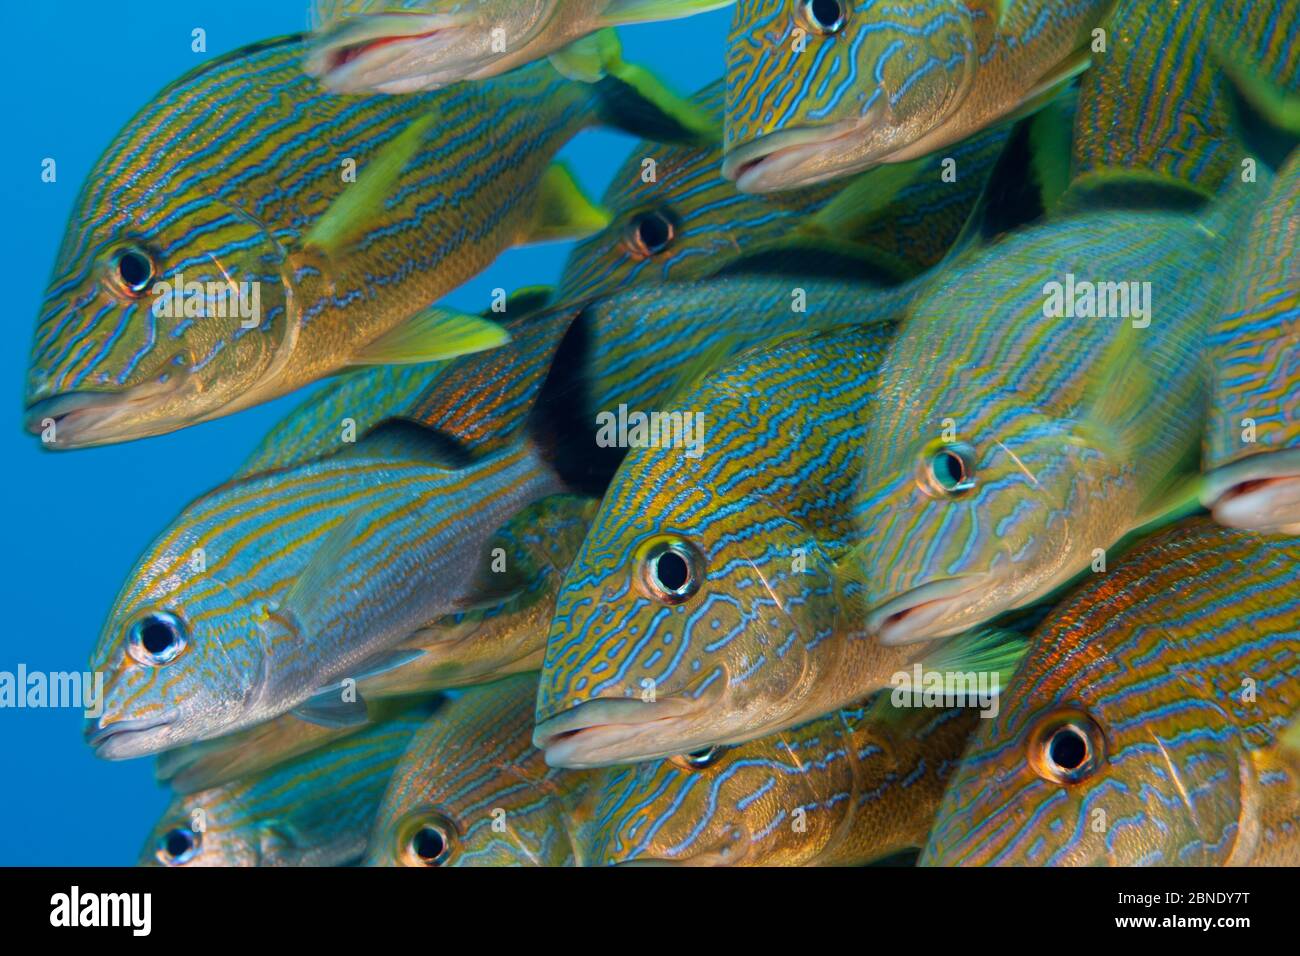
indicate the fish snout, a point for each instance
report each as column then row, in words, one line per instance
column 611, row 730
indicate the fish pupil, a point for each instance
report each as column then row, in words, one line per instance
column 1068, row 749
column 428, row 843
column 672, row 571
column 178, row 845
column 135, row 270
column 949, row 469
column 826, row 14
column 655, row 232
column 156, row 636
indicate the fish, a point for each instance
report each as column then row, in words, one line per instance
column 460, row 649
column 1252, row 441
column 708, row 604
column 675, row 218
column 472, row 791
column 315, row 810
column 821, row 90
column 850, row 788
column 1012, row 450
column 406, row 46
column 285, row 591
column 311, row 231
column 1146, row 724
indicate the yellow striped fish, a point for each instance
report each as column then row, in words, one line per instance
column 1147, row 724
column 715, row 615
column 247, row 234
column 472, row 791
column 1252, row 442
column 1013, row 448
column 819, row 89
column 847, row 789
column 316, row 810
column 282, row 591
column 404, row 46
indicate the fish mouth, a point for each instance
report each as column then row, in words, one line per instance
column 83, row 419
column 123, row 739
column 384, row 53
column 933, row 610
column 611, row 730
column 1261, row 493
column 786, row 160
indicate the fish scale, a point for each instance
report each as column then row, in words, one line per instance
column 1155, row 104
column 867, row 781
column 764, row 644
column 1186, row 656
column 315, row 810
column 1032, row 397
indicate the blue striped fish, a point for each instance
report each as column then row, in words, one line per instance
column 404, row 46
column 281, row 591
column 247, row 234
column 705, row 606
column 1011, row 449
column 847, row 789
column 316, row 810
column 819, row 89
column 1252, row 442
column 1147, row 724
column 472, row 791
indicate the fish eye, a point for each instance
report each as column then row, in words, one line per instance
column 132, row 271
column 823, row 16
column 947, row 471
column 698, row 759
column 178, row 846
column 427, row 840
column 650, row 233
column 156, row 639
column 671, row 570
column 1066, row 747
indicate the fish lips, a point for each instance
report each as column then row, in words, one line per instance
column 347, row 57
column 932, row 610
column 1258, row 493
column 607, row 731
column 788, row 159
column 85, row 419
column 124, row 739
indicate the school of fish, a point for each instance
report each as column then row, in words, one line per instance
column 904, row 470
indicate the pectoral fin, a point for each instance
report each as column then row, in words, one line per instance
column 432, row 335
column 332, row 711
column 561, row 210
column 360, row 202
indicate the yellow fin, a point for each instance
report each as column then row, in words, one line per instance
column 561, row 210
column 621, row 12
column 1051, row 85
column 860, row 203
column 431, row 335
column 359, row 202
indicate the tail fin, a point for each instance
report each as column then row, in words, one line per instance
column 631, row 98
